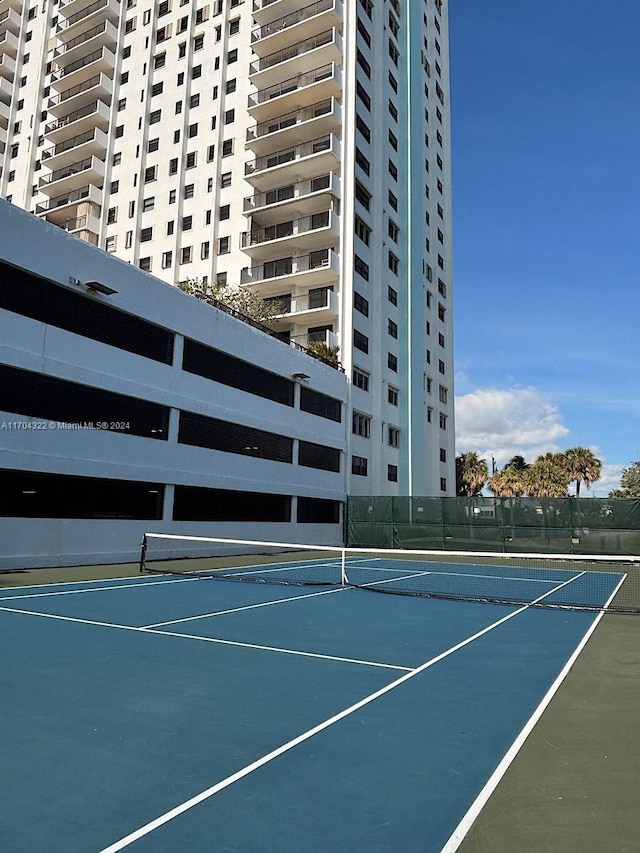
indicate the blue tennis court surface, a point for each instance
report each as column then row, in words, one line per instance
column 185, row 714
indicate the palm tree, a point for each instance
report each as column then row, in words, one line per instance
column 471, row 474
column 508, row 483
column 548, row 476
column 583, row 467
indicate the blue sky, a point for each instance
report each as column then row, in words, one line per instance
column 546, row 178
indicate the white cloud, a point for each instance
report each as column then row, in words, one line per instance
column 503, row 423
column 610, row 479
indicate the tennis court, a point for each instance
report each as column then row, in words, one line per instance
column 164, row 712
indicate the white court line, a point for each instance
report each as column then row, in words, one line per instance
column 240, row 609
column 479, row 803
column 286, row 747
column 93, row 589
column 474, row 575
column 217, row 641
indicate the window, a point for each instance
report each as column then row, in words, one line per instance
column 367, row 5
column 224, row 211
column 224, row 245
column 392, row 295
column 443, row 484
column 440, row 339
column 361, row 267
column 393, row 140
column 154, row 144
column 110, row 244
column 128, row 239
column 157, row 88
column 392, row 473
column 204, row 250
column 393, row 201
column 363, row 128
column 148, row 203
column 182, row 50
column 194, row 101
column 363, row 95
column 362, row 161
column 443, row 421
column 361, row 425
column 394, row 53
column 392, row 395
column 185, row 255
column 392, row 328
column 172, row 196
column 394, row 230
column 234, row 26
column 392, row 362
column 229, row 116
column 145, row 264
column 360, row 341
column 429, row 414
column 225, row 180
column 146, row 235
column 443, row 454
column 192, row 158
column 119, row 131
column 187, row 223
column 189, row 190
column 112, row 215
column 359, row 465
column 362, row 62
column 393, row 437
column 364, row 33
column 442, row 290
column 360, row 379
column 230, row 86
column 393, row 82
column 360, row 303
column 115, row 186
column 232, row 56
column 442, row 393
column 198, row 43
column 155, row 116
column 394, row 263
column 132, row 209
column 363, row 195
column 393, row 111
column 167, row 259
column 171, row 224
column 150, row 174
column 362, row 230
column 227, row 147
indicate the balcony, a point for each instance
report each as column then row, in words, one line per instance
column 296, row 127
column 7, row 67
column 299, row 58
column 315, row 336
column 73, row 176
column 76, row 97
column 86, row 227
column 301, row 271
column 6, row 90
column 308, row 233
column 9, row 44
column 283, row 21
column 71, row 205
column 84, row 68
column 10, row 21
column 319, row 305
column 293, row 200
column 104, row 34
column 5, row 112
column 296, row 92
column 11, row 4
column 77, row 148
column 79, row 121
column 80, row 17
column 298, row 161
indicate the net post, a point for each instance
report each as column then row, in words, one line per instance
column 143, row 551
column 344, row 580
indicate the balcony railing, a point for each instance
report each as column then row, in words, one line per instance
column 286, row 266
column 290, row 192
column 74, row 90
column 71, row 117
column 288, row 155
column 291, row 52
column 64, row 199
column 290, row 119
column 65, row 23
column 291, row 85
column 75, row 66
column 68, row 144
column 74, row 42
column 291, row 19
column 74, row 224
column 291, row 228
column 67, row 171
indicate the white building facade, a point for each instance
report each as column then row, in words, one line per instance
column 300, row 150
column 127, row 406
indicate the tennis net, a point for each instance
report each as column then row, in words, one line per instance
column 564, row 581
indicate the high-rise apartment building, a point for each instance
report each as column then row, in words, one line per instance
column 300, row 150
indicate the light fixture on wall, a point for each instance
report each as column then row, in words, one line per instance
column 300, row 377
column 93, row 286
